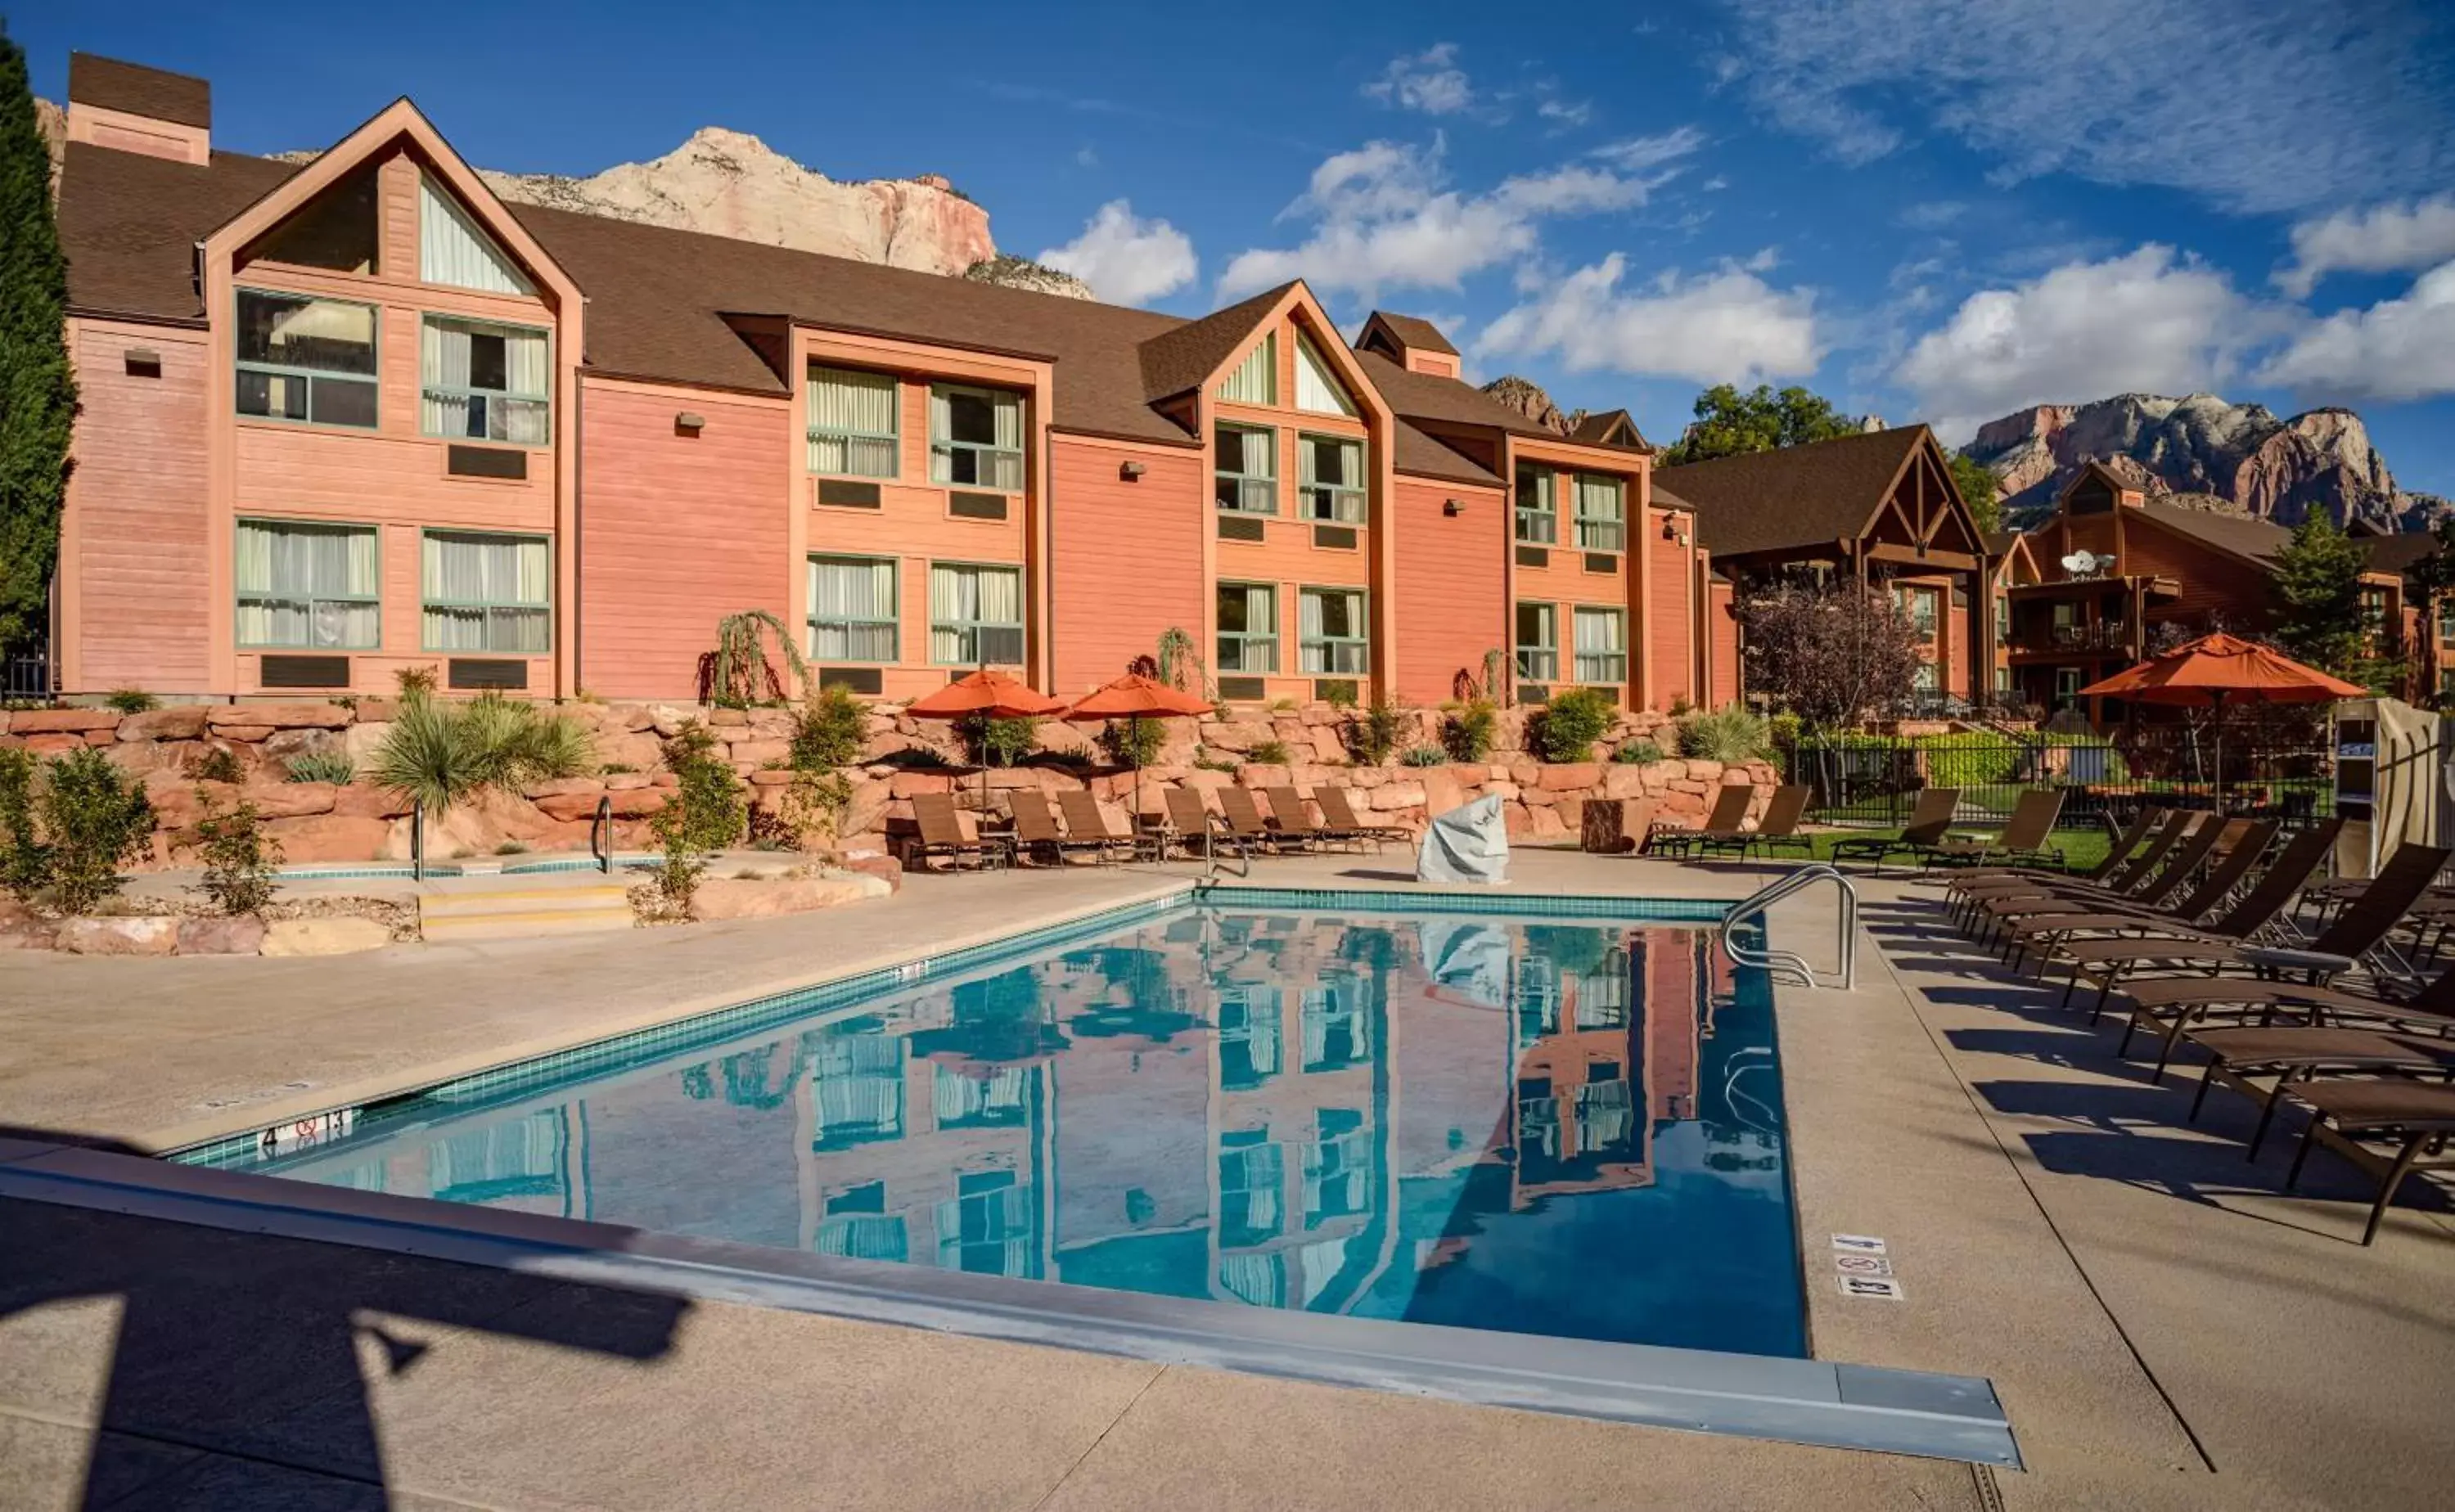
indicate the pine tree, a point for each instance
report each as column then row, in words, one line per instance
column 2318, row 590
column 37, row 394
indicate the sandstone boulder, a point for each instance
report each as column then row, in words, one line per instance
column 323, row 837
column 137, row 935
column 323, row 936
column 747, row 897
column 240, row 936
column 180, row 722
column 271, row 717
column 61, row 722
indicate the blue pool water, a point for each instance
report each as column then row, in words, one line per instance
column 1567, row 1127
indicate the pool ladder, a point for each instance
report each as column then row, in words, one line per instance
column 1785, row 962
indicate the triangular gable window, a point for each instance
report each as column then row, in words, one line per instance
column 1316, row 390
column 335, row 230
column 1255, row 379
column 451, row 249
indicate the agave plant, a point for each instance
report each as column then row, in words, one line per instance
column 441, row 754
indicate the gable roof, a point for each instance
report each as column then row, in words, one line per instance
column 1181, row 360
column 2093, row 468
column 1796, row 496
column 2240, row 535
column 108, row 84
column 1411, row 331
column 129, row 223
column 2402, row 552
column 1611, row 428
column 1428, row 396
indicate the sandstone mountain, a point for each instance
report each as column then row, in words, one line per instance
column 1527, row 398
column 2203, row 452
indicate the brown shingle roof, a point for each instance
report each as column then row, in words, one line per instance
column 1798, row 497
column 1178, row 361
column 1597, row 429
column 129, row 223
column 111, row 84
column 2242, row 535
column 1423, row 396
column 1413, row 332
column 1425, row 455
column 2401, row 553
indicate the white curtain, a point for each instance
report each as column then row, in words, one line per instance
column 994, row 461
column 976, row 615
column 1333, row 479
column 450, row 248
column 1598, row 512
column 1256, row 378
column 852, row 422
column 1261, row 1279
column 1331, row 625
column 520, row 412
column 296, row 584
column 486, row 593
column 1316, row 390
column 1602, row 645
column 852, row 609
column 1254, row 646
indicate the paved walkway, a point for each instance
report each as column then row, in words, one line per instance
column 2164, row 1329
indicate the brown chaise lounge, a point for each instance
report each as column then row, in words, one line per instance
column 1779, row 826
column 1038, row 834
column 1730, row 808
column 1192, row 827
column 1961, row 885
column 1930, row 820
column 1338, row 811
column 1296, row 823
column 1988, row 903
column 2419, row 1115
column 1087, row 826
column 1244, row 821
column 943, row 836
column 2055, row 920
column 2024, row 836
column 2154, row 893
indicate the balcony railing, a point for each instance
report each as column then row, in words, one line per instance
column 2108, row 636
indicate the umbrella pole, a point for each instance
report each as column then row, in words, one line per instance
column 2216, row 697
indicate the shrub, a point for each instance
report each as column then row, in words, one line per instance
column 1728, row 734
column 1338, row 694
column 702, row 814
column 737, row 674
column 414, row 682
column 242, row 862
column 323, row 766
column 810, row 811
column 998, row 741
column 511, row 848
column 1372, row 737
column 439, row 753
column 215, row 763
column 1269, row 754
column 131, row 700
column 24, row 860
column 1566, row 728
column 830, row 730
column 1133, row 742
column 1637, row 752
column 94, row 820
column 1471, row 730
column 1424, row 756
column 1205, row 761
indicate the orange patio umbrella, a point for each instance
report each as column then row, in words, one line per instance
column 1136, row 696
column 993, row 694
column 2213, row 668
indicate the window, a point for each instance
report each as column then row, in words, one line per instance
column 1332, row 484
column 1317, row 390
column 989, row 1227
column 1539, row 516
column 1924, row 678
column 1252, row 1171
column 451, row 249
column 306, row 359
column 336, row 230
column 976, row 439
column 486, row 383
column 852, row 609
column 852, row 423
column 312, row 586
column 1256, row 378
column 1602, row 645
column 2374, row 607
column 1332, row 631
column 1539, row 642
column 2066, row 687
column 2002, row 616
column 487, row 593
column 1245, row 470
column 1601, row 524
column 2446, row 620
column 1248, row 628
column 975, row 614
column 1917, row 605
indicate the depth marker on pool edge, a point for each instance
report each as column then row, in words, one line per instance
column 1884, row 1286
column 1858, row 1243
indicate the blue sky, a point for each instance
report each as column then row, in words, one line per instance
column 1927, row 210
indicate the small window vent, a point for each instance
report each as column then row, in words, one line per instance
column 976, row 506
column 498, row 673
column 1533, row 556
column 840, row 493
column 1601, row 562
column 485, row 461
column 1529, row 693
column 1235, row 528
column 1334, row 690
column 1243, row 690
column 1334, row 537
column 853, row 679
column 304, row 671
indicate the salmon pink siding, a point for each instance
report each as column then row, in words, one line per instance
column 1450, row 595
column 678, row 531
column 1671, row 610
column 1722, row 624
column 135, row 532
column 1124, row 554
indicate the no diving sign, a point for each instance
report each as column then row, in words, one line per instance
column 1861, row 1268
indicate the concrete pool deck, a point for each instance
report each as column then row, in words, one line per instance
column 2162, row 1328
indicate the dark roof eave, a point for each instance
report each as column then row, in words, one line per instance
column 138, row 317
column 1186, row 444
column 616, row 375
column 847, row 329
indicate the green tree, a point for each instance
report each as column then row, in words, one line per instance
column 1976, row 481
column 2317, row 585
column 1729, row 423
column 37, row 394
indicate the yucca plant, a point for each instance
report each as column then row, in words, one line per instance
column 737, row 674
column 426, row 755
column 441, row 754
column 1728, row 734
column 323, row 766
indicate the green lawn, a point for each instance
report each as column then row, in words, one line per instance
column 2081, row 848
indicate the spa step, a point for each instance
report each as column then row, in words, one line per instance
column 512, row 913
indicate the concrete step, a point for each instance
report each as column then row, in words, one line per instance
column 475, row 902
column 515, row 925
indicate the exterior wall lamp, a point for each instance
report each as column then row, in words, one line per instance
column 1131, row 471
column 1452, row 507
column 688, row 423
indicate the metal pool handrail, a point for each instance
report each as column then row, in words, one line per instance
column 417, row 840
column 1787, row 961
column 602, row 825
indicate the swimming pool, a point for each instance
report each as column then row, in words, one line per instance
column 1566, row 1127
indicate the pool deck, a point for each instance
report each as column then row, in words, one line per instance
column 2164, row 1328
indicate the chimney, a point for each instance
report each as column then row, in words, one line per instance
column 129, row 108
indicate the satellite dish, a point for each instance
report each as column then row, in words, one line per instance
column 2083, row 564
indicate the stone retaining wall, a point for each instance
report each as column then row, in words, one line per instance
column 323, row 822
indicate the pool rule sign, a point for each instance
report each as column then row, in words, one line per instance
column 1862, row 1268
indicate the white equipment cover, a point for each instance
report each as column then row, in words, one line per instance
column 1467, row 844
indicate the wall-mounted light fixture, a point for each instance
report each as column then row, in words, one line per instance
column 1452, row 507
column 689, row 423
column 1130, row 472
column 144, row 362
column 1670, row 530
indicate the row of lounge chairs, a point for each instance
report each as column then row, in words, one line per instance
column 1081, row 829
column 2190, row 924
column 2026, row 836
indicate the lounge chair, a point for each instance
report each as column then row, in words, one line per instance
column 2292, row 1053
column 1960, row 885
column 1338, row 811
column 1296, row 821
column 1087, row 825
column 1729, row 808
column 2418, row 1117
column 943, row 834
column 2049, row 920
column 1244, row 821
column 1978, row 896
column 1779, row 826
column 2188, row 846
column 1037, row 832
column 1930, row 820
column 1192, row 827
column 2025, row 835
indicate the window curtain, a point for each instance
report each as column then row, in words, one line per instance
column 970, row 608
column 1333, row 464
column 452, row 251
column 1253, row 646
column 1256, row 378
column 519, row 412
column 1315, row 389
column 1257, row 455
column 852, row 610
column 852, row 422
column 289, row 575
column 486, row 593
column 1598, row 512
column 1598, row 632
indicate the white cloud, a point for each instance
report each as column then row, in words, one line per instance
column 1934, row 214
column 2259, row 105
column 2397, row 348
column 1383, row 217
column 1639, row 154
column 2386, row 238
column 1428, row 81
column 1728, row 326
column 2149, row 321
column 1569, row 114
column 1126, row 259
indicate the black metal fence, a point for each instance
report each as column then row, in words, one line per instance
column 1875, row 781
column 26, row 671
